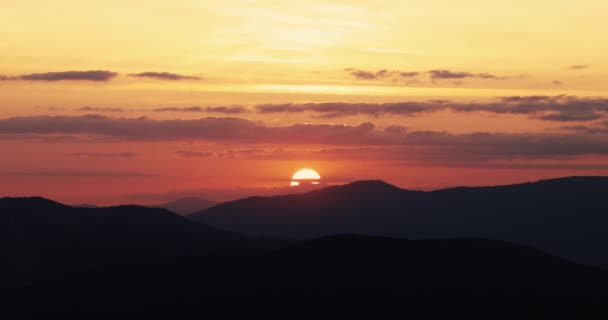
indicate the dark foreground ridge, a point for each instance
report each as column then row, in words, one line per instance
column 58, row 258
column 566, row 216
column 37, row 234
column 347, row 274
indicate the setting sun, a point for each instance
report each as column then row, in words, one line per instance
column 305, row 175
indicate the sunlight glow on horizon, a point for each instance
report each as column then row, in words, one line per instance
column 305, row 175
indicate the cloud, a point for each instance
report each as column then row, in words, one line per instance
column 578, row 67
column 458, row 156
column 571, row 115
column 380, row 74
column 175, row 109
column 105, row 155
column 91, row 75
column 408, row 76
column 97, row 109
column 436, row 144
column 341, row 109
column 451, row 75
column 194, row 154
column 128, row 128
column 362, row 74
column 217, row 129
column 498, row 145
column 549, row 108
column 225, row 110
column 601, row 128
column 553, row 108
column 76, row 173
column 164, row 76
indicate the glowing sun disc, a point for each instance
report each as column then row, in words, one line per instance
column 306, row 174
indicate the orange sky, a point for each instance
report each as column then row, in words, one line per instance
column 237, row 95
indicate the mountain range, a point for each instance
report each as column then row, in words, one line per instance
column 566, row 216
column 504, row 251
column 186, row 206
column 181, row 206
column 37, row 234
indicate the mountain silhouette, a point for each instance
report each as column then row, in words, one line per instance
column 344, row 273
column 188, row 205
column 37, row 234
column 85, row 205
column 566, row 216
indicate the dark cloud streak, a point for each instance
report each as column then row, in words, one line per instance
column 225, row 110
column 451, row 75
column 438, row 74
column 380, row 74
column 194, row 154
column 578, row 67
column 97, row 109
column 164, row 76
column 105, row 155
column 479, row 145
column 341, row 109
column 549, row 108
column 91, row 75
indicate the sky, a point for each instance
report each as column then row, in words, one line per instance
column 144, row 101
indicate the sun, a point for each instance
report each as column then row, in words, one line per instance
column 305, row 175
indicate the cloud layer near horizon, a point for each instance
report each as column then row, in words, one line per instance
column 561, row 108
column 550, row 108
column 481, row 145
column 429, row 157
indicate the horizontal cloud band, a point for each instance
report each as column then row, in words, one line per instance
column 94, row 75
column 234, row 130
column 550, row 108
column 439, row 74
column 89, row 75
column 164, row 76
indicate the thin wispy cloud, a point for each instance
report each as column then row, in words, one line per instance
column 579, row 67
column 453, row 75
column 380, row 74
column 485, row 145
column 194, row 154
column 104, row 109
column 549, row 108
column 224, row 110
column 90, row 75
column 434, row 75
column 104, row 155
column 165, row 76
